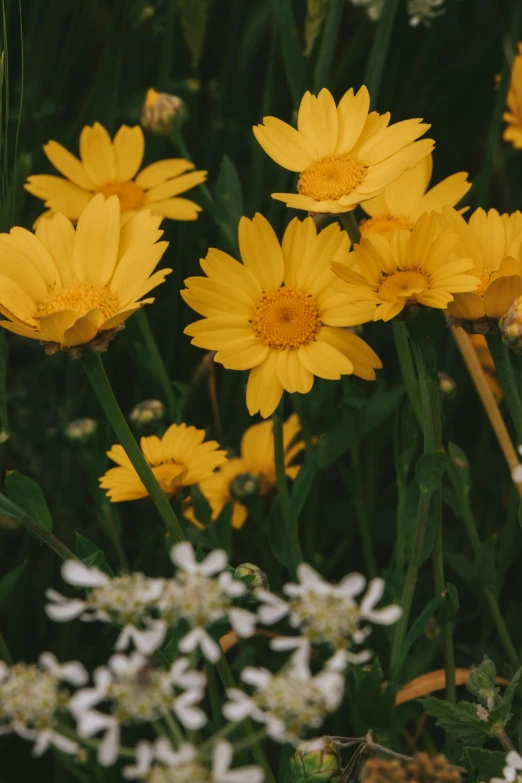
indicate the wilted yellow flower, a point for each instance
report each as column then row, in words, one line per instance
column 344, row 154
column 383, row 275
column 276, row 313
column 493, row 242
column 256, row 463
column 178, row 459
column 513, row 117
column 402, row 203
column 110, row 167
column 66, row 286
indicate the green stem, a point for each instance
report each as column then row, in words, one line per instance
column 429, row 388
column 248, row 742
column 297, row 401
column 123, row 752
column 10, row 509
column 379, row 50
column 160, row 371
column 353, row 483
column 5, row 655
column 351, row 227
column 227, row 678
column 290, row 523
column 93, row 366
column 502, row 358
column 174, row 729
column 501, row 627
column 402, row 346
column 410, row 583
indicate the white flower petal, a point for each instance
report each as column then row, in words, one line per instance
column 183, row 556
column 84, row 700
column 230, row 586
column 76, row 573
column 91, row 722
column 311, row 580
column 73, row 672
column 385, row 616
column 167, row 755
column 214, row 562
column 63, row 612
column 239, row 708
column 144, row 757
column 351, row 585
column 109, row 746
column 372, row 596
column 64, row 744
column 257, row 677
column 514, row 759
column 242, row 621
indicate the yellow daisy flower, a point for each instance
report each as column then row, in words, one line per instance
column 383, row 275
column 178, row 459
column 493, row 242
column 513, row 117
column 256, row 464
column 66, row 286
column 110, row 167
column 344, row 154
column 276, row 313
column 402, row 203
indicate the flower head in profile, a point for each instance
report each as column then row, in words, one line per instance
column 253, row 471
column 402, row 203
column 344, row 154
column 326, row 613
column 513, row 117
column 276, row 314
column 494, row 243
column 111, row 167
column 383, row 275
column 160, row 763
column 179, row 459
column 67, row 287
column 32, row 698
column 290, row 702
column 135, row 693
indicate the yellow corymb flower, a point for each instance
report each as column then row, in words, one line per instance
column 344, row 154
column 65, row 286
column 402, row 203
column 513, row 117
column 493, row 242
column 383, row 275
column 276, row 313
column 178, row 459
column 110, row 167
column 255, row 468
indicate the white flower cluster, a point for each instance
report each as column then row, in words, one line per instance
column 513, row 769
column 325, row 613
column 419, row 11
column 31, row 699
column 146, row 607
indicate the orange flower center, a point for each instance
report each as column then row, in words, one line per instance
column 332, row 177
column 80, row 298
column 403, row 286
column 170, row 477
column 131, row 195
column 383, row 225
column 286, row 319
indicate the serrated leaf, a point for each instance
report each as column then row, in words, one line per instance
column 10, row 580
column 429, row 470
column 91, row 555
column 27, row 493
column 486, row 763
column 459, row 720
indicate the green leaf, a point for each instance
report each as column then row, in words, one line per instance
column 328, row 45
column 303, row 484
column 10, row 580
column 194, row 17
column 484, row 764
column 89, row 554
column 277, row 538
column 381, row 404
column 374, row 706
column 509, row 693
column 484, row 566
column 459, row 720
column 419, row 625
column 229, row 200
column 338, row 439
column 27, row 493
column 460, row 462
column 429, row 470
column 296, row 66
column 451, row 605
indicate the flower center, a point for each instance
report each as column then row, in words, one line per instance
column 80, row 298
column 402, row 286
column 170, row 477
column 383, row 225
column 332, row 177
column 131, row 195
column 286, row 319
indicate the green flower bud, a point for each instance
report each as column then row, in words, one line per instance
column 244, row 485
column 481, row 680
column 254, row 577
column 80, row 430
column 448, row 387
column 162, row 113
column 147, row 412
column 315, row 766
column 511, row 326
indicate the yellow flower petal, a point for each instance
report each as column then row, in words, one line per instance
column 59, row 194
column 97, row 154
column 242, row 354
column 84, row 329
column 261, row 251
column 292, row 374
column 364, row 359
column 352, row 113
column 176, row 209
column 284, row 144
column 161, row 171
column 129, row 148
column 14, row 299
column 317, row 121
column 264, row 389
column 97, row 239
column 57, row 235
column 501, row 294
column 325, row 361
column 53, row 326
column 218, row 265
column 68, row 165
column 174, row 186
column 468, row 306
column 135, row 268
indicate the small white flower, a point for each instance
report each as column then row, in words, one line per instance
column 513, row 769
column 423, row 11
column 184, row 557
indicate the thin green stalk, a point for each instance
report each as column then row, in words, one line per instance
column 503, row 633
column 5, row 655
column 94, row 744
column 429, row 388
column 297, row 401
column 249, row 741
column 227, row 678
column 353, row 483
column 503, row 365
column 93, row 366
column 379, row 50
column 402, row 346
column 410, row 583
column 289, row 521
column 156, row 359
column 10, row 509
column 174, row 728
column 351, row 227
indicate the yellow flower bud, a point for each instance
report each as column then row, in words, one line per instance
column 162, row 113
column 80, row 430
column 147, row 412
